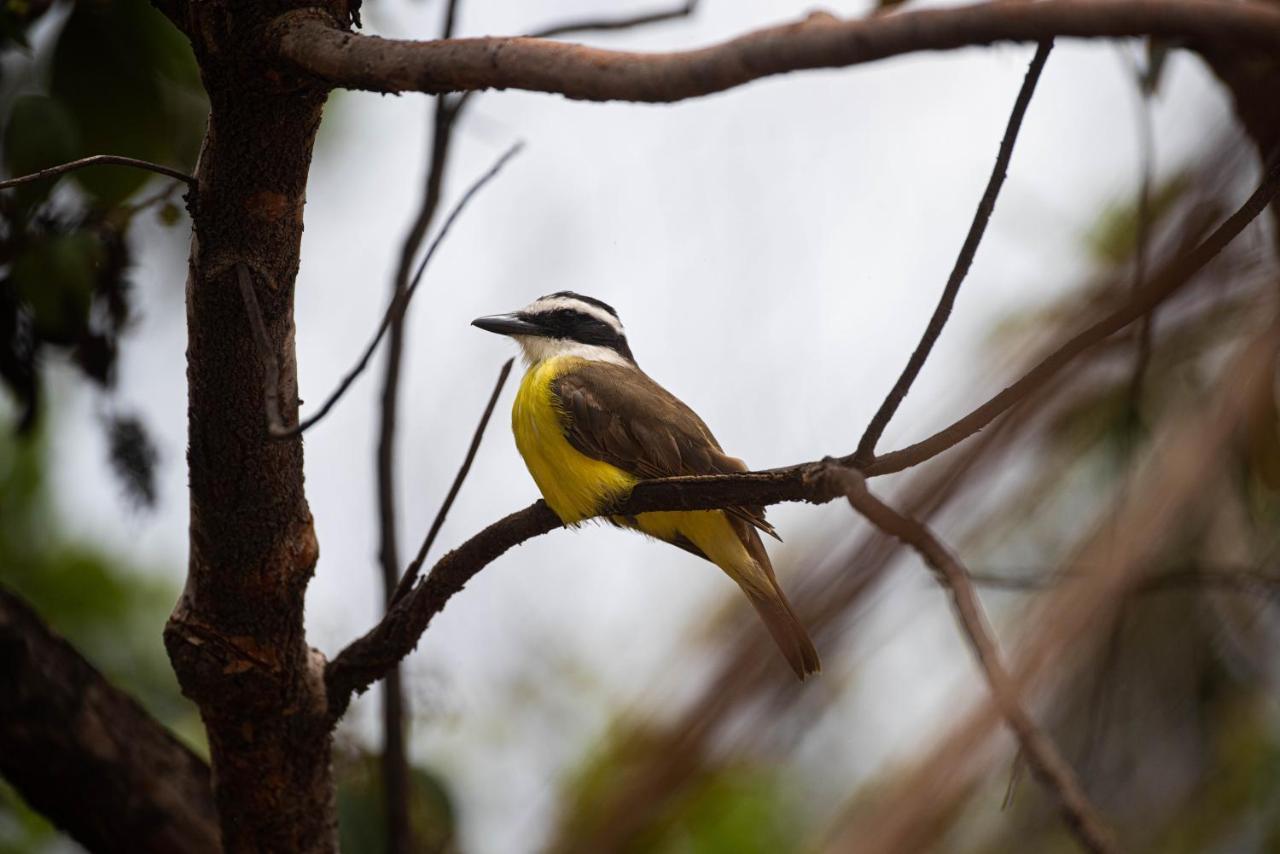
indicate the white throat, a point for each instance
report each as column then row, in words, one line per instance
column 536, row 348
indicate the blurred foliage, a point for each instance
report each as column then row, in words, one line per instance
column 734, row 808
column 111, row 78
column 113, row 615
column 1169, row 713
column 1172, row 720
column 362, row 811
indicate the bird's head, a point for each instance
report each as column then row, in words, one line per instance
column 564, row 324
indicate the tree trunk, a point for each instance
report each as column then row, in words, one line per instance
column 236, row 636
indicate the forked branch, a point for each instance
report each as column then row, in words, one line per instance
column 875, row 429
column 280, row 431
column 1162, row 286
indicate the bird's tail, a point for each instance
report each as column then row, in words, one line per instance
column 787, row 630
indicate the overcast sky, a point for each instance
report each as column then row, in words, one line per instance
column 774, row 252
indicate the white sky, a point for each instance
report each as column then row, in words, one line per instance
column 774, row 252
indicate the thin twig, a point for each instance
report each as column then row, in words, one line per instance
column 588, row 25
column 363, row 361
column 395, row 761
column 1049, row 766
column 867, row 444
column 1152, row 294
column 97, row 160
column 411, row 573
column 1146, row 327
column 270, row 364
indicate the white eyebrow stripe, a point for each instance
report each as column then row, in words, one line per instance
column 553, row 303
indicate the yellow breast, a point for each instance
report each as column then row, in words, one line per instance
column 574, row 485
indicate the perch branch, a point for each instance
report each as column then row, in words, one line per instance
column 312, row 43
column 867, row 445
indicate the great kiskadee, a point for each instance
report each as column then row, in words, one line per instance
column 590, row 424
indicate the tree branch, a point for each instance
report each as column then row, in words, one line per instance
column 281, row 432
column 1082, row 817
column 411, row 574
column 338, row 58
column 98, row 160
column 87, row 756
column 875, row 429
column 1152, row 293
column 395, row 761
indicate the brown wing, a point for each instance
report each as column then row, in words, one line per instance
column 621, row 416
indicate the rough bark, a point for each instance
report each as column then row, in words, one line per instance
column 236, row 637
column 87, row 756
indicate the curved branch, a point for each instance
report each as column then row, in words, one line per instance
column 339, row 58
column 98, row 160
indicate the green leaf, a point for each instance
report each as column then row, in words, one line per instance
column 55, row 278
column 129, row 79
column 40, row 133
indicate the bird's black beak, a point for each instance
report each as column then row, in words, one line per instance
column 508, row 324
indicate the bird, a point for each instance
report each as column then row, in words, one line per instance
column 590, row 424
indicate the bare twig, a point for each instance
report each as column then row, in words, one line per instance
column 1152, row 294
column 395, row 760
column 411, row 574
column 363, row 361
column 597, row 25
column 97, row 160
column 342, row 59
column 867, row 444
column 1082, row 817
column 270, row 364
column 1146, row 166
